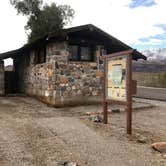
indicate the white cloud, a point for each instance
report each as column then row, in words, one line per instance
column 113, row 16
column 151, row 41
column 12, row 34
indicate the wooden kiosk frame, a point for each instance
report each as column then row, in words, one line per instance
column 121, row 70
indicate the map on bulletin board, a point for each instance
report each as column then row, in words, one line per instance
column 116, row 78
column 117, row 74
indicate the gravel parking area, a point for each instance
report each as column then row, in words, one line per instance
column 31, row 133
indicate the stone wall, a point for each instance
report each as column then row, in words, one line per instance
column 2, row 88
column 60, row 82
column 39, row 81
column 78, row 83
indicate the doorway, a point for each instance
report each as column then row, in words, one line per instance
column 10, row 79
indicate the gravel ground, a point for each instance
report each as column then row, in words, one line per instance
column 31, row 133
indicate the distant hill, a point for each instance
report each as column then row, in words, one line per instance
column 156, row 61
column 146, row 66
column 157, row 55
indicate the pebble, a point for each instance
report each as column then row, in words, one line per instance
column 66, row 163
column 116, row 110
column 141, row 139
column 96, row 118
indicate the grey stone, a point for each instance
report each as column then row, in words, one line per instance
column 98, row 82
column 90, row 88
column 70, row 79
column 67, row 72
column 85, row 83
column 141, row 139
column 68, row 88
column 96, row 118
column 79, row 92
column 72, row 164
column 62, row 163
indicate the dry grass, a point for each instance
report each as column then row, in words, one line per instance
column 150, row 79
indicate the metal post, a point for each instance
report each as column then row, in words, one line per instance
column 2, row 78
column 105, row 109
column 129, row 95
column 105, row 112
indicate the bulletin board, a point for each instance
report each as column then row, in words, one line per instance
column 118, row 84
column 116, row 74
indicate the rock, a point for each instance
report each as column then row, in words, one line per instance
column 68, row 88
column 63, row 80
column 142, row 139
column 73, row 87
column 159, row 146
column 115, row 110
column 71, row 79
column 94, row 93
column 100, row 73
column 66, row 163
column 88, row 113
column 90, row 88
column 96, row 118
column 79, row 92
column 62, row 163
column 72, row 164
column 67, row 72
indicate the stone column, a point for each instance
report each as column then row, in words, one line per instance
column 2, row 81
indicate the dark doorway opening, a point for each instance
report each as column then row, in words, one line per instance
column 10, row 78
column 10, row 82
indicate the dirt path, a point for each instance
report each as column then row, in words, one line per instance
column 94, row 148
column 33, row 134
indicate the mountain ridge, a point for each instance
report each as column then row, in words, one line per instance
column 156, row 61
column 158, row 55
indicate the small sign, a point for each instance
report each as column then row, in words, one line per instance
column 116, row 78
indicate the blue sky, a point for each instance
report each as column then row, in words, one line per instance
column 138, row 23
column 145, row 3
column 152, row 41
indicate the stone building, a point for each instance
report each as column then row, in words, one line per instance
column 62, row 69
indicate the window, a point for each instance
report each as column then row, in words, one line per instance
column 40, row 56
column 86, row 54
column 73, row 52
column 80, row 53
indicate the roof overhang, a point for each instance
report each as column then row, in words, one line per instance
column 115, row 44
column 85, row 30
